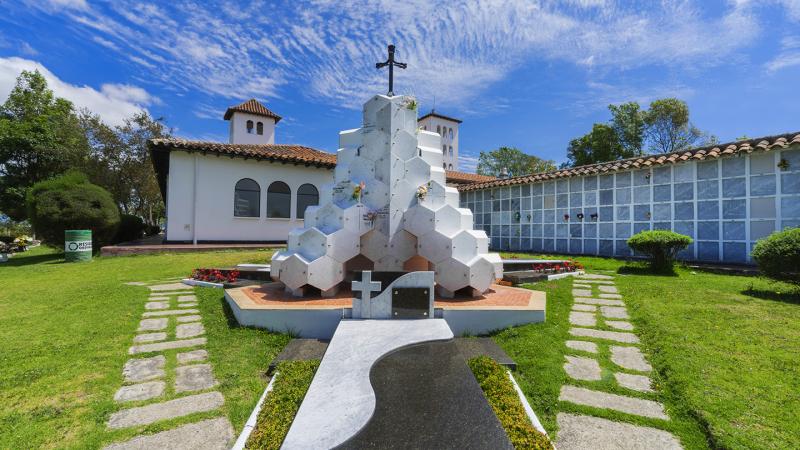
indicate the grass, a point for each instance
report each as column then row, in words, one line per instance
column 505, row 403
column 64, row 334
column 277, row 413
column 723, row 348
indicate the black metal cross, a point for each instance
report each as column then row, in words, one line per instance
column 391, row 63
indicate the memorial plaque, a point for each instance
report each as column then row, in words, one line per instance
column 410, row 303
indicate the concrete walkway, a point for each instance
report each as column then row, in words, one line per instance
column 170, row 328
column 598, row 309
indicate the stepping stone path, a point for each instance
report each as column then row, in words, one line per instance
column 170, row 321
column 599, row 325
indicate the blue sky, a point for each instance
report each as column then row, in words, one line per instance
column 518, row 72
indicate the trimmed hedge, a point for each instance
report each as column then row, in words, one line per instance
column 278, row 411
column 660, row 246
column 778, row 255
column 70, row 202
column 505, row 402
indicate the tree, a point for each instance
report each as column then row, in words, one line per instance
column 668, row 126
column 121, row 163
column 40, row 136
column 512, row 162
column 600, row 145
column 627, row 120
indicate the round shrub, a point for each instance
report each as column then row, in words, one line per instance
column 130, row 228
column 70, row 202
column 660, row 246
column 778, row 255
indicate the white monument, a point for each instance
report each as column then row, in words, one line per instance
column 388, row 204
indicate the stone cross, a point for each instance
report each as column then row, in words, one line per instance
column 366, row 286
column 391, row 63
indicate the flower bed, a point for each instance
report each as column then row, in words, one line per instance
column 215, row 275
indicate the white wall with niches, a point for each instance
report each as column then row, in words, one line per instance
column 724, row 204
column 200, row 197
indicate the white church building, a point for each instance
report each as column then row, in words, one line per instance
column 252, row 189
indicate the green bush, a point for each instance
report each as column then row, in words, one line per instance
column 130, row 228
column 505, row 403
column 660, row 246
column 278, row 411
column 70, row 202
column 778, row 255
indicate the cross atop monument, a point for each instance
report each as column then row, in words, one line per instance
column 391, row 63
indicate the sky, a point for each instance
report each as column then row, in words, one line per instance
column 522, row 73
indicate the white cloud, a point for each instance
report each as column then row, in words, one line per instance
column 113, row 102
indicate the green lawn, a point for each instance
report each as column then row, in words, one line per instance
column 724, row 349
column 64, row 334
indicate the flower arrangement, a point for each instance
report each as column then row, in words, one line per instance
column 215, row 275
column 422, row 191
column 358, row 191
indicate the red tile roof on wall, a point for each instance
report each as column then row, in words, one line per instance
column 711, row 152
column 457, row 177
column 252, row 106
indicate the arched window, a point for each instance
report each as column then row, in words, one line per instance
column 249, row 127
column 260, row 128
column 451, row 134
column 307, row 195
column 279, row 200
column 247, row 198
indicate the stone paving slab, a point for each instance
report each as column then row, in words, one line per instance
column 194, row 377
column 621, row 403
column 210, row 434
column 627, row 338
column 598, row 301
column 143, row 369
column 149, row 337
column 639, row 383
column 629, row 358
column 142, row 391
column 620, row 325
column 581, row 292
column 188, row 330
column 585, row 308
column 168, row 345
column 170, row 312
column 594, row 276
column 582, row 368
column 156, row 412
column 606, row 295
column 187, row 298
column 608, row 289
column 614, row 312
column 152, row 324
column 585, row 346
column 156, row 305
column 171, row 287
column 583, row 319
column 192, row 318
column 192, row 356
column 578, row 432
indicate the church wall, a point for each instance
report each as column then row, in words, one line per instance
column 217, row 177
column 724, row 204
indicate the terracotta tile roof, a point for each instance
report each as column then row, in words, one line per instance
column 711, row 152
column 252, row 106
column 456, row 177
column 441, row 116
column 289, row 153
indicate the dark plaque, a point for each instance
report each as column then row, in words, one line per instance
column 410, row 303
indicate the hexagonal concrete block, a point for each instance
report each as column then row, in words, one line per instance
column 343, row 245
column 404, row 145
column 452, row 274
column 417, row 172
column 481, row 273
column 329, row 218
column 419, row 220
column 294, row 271
column 468, row 244
column 325, row 273
column 434, row 246
column 311, row 244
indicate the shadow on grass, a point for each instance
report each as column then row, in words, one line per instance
column 791, row 295
column 19, row 260
column 644, row 269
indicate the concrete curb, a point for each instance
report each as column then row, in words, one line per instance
column 250, row 425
